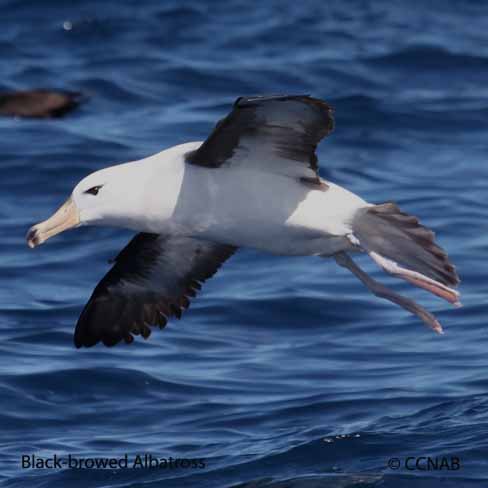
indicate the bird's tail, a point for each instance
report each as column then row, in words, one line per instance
column 400, row 245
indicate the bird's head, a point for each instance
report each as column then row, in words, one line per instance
column 111, row 196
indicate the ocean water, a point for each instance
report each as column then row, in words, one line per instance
column 284, row 372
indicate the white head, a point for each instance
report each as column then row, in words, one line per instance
column 112, row 196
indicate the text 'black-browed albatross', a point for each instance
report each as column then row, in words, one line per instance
column 253, row 183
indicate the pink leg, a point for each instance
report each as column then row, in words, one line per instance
column 417, row 279
column 382, row 291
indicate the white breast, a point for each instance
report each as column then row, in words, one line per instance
column 244, row 207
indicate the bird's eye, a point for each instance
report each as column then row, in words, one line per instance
column 94, row 190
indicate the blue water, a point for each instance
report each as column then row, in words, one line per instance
column 284, row 372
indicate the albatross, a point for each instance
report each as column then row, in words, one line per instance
column 253, row 183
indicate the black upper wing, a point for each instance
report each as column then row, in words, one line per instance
column 151, row 280
column 277, row 134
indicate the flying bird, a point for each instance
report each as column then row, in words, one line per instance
column 254, row 182
column 38, row 103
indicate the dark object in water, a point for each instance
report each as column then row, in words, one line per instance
column 38, row 103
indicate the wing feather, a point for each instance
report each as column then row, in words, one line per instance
column 277, row 134
column 151, row 280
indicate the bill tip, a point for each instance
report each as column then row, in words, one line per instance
column 33, row 239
